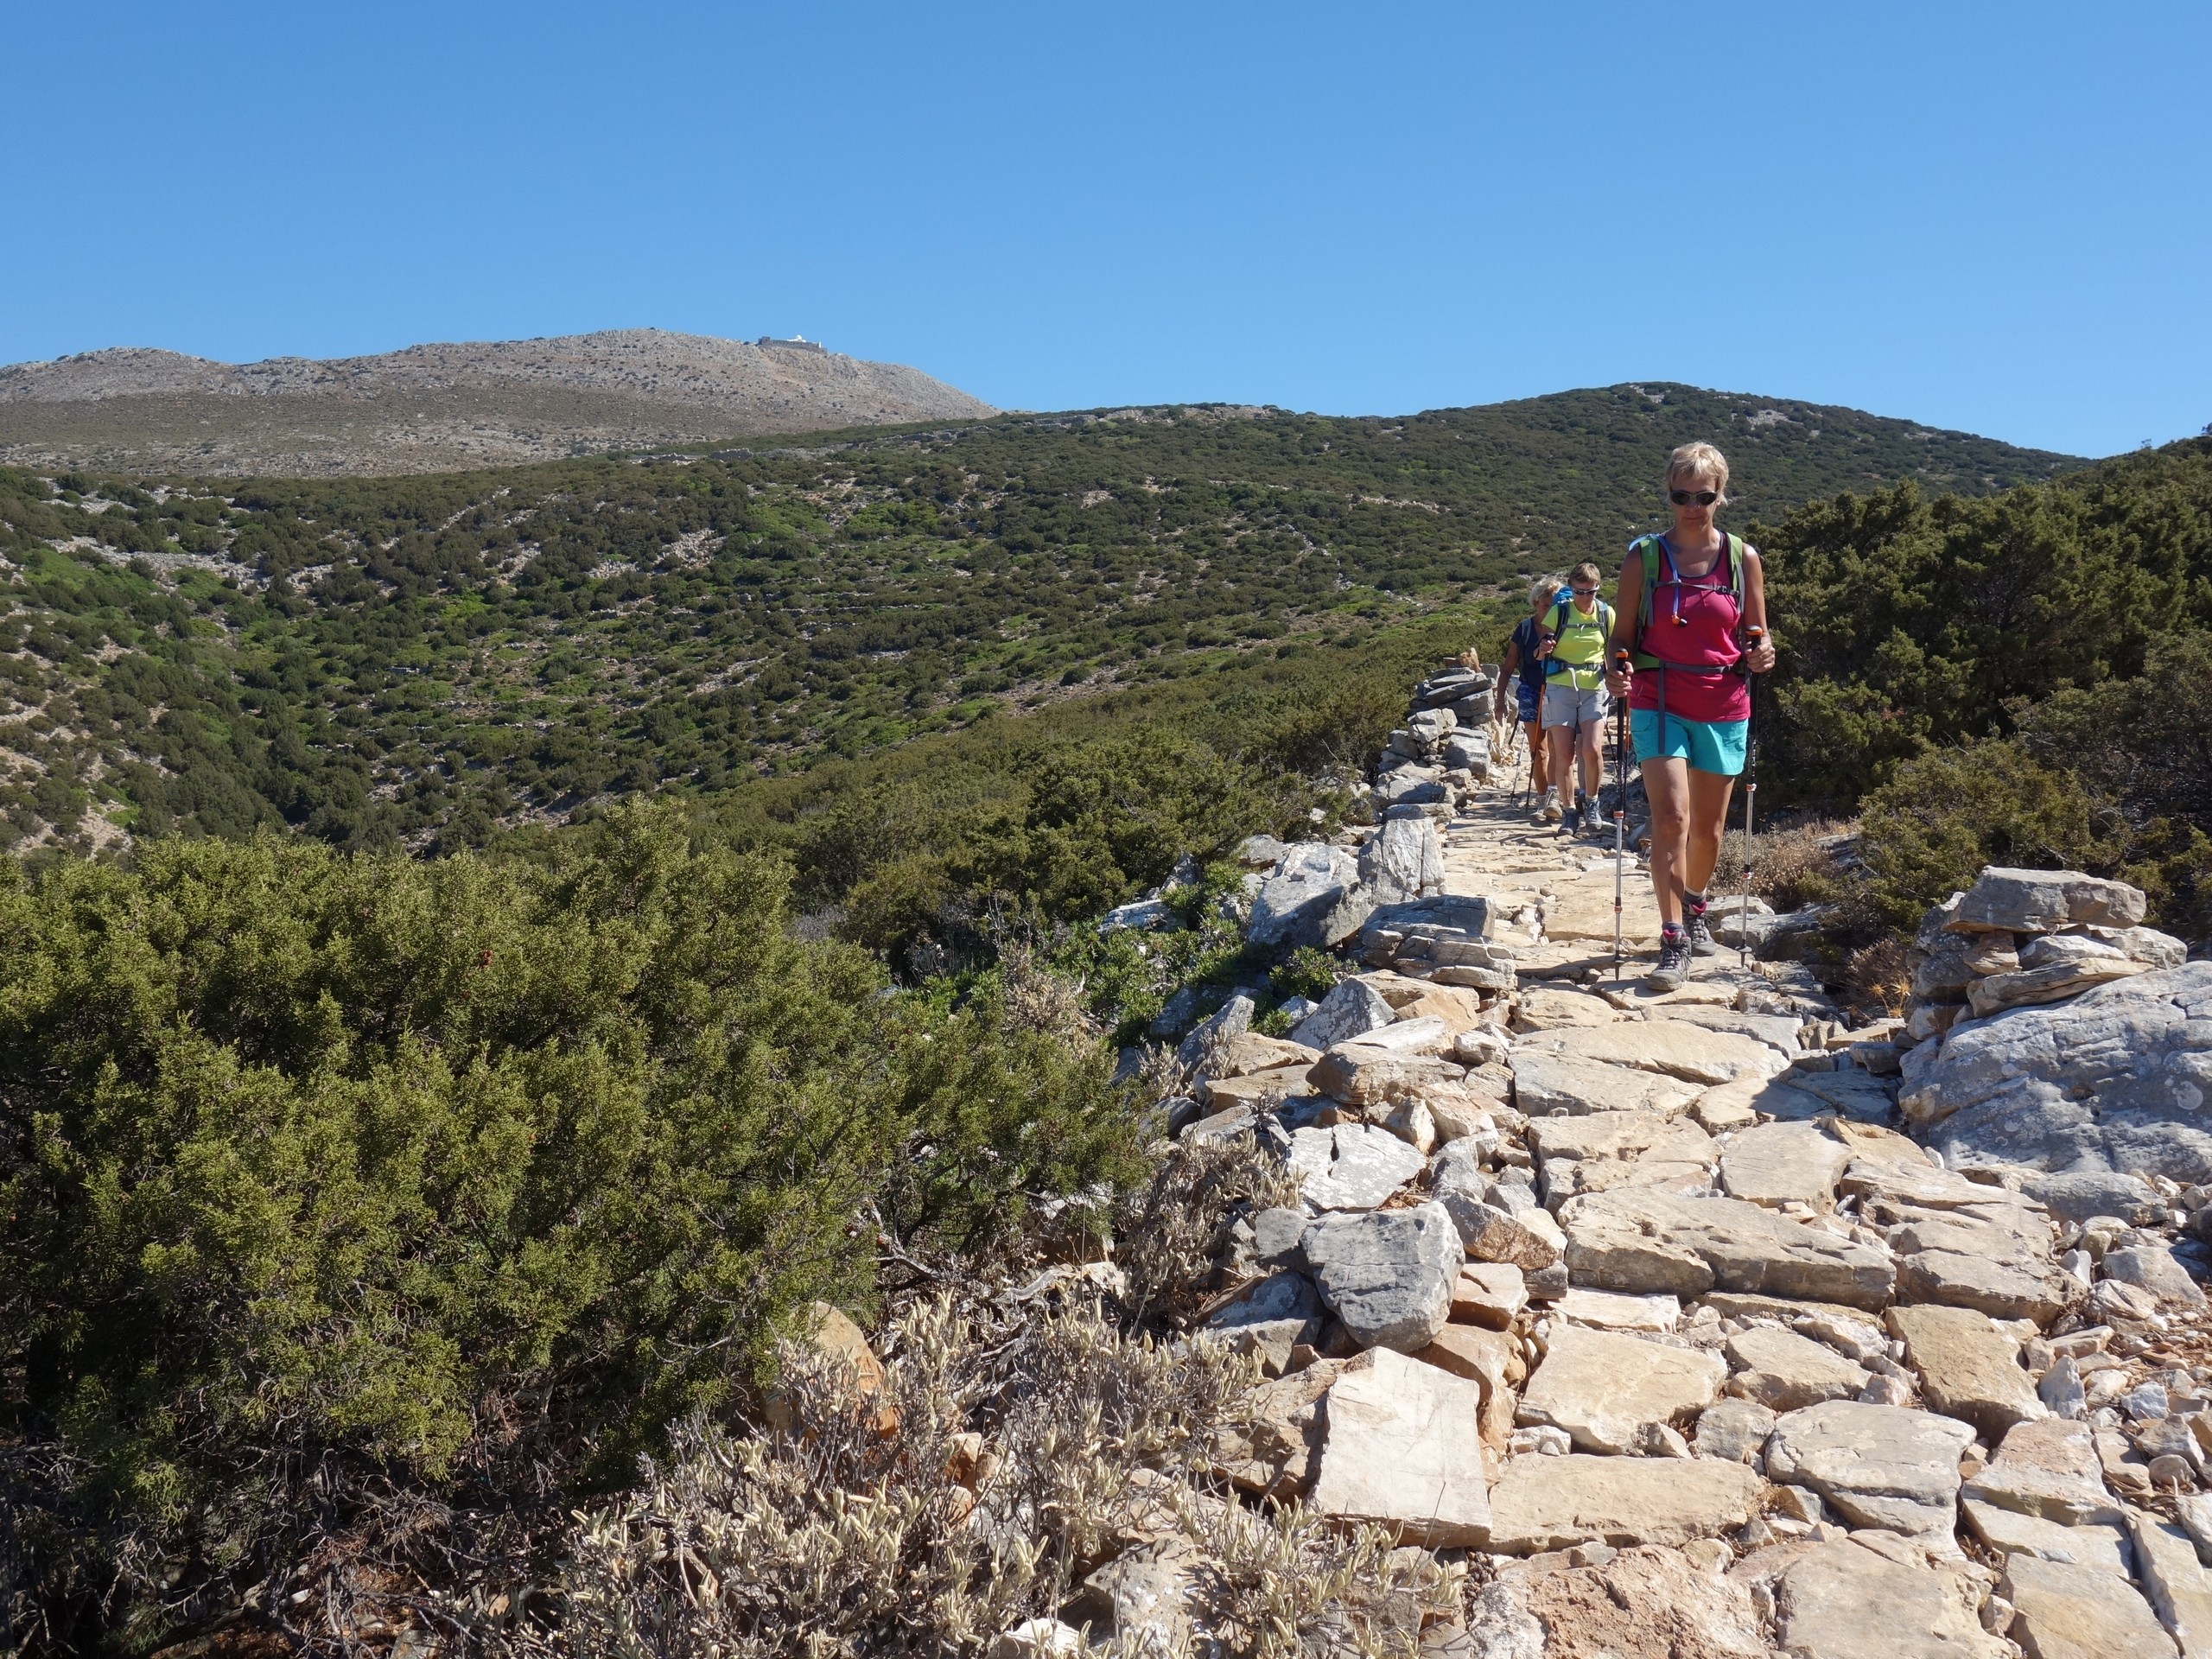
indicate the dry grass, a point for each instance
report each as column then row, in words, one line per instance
column 1025, row 1456
column 1791, row 867
column 1039, row 998
column 1171, row 1231
column 1879, row 976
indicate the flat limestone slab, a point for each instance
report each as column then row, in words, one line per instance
column 1404, row 1450
column 1641, row 1240
column 1601, row 1386
column 1883, row 1466
column 2004, row 1289
column 1548, row 1009
column 1784, row 1372
column 1841, row 1600
column 1547, row 1502
column 1968, row 1368
column 2179, row 1588
column 1609, row 1310
column 1622, row 1134
column 1547, row 1082
column 1673, row 1048
column 1783, row 1163
column 1776, row 1031
column 2079, row 1612
column 2048, row 1468
column 2010, row 1533
column 1582, row 908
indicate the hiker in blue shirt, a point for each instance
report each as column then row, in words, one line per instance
column 1523, row 673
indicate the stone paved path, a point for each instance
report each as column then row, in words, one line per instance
column 1654, row 1315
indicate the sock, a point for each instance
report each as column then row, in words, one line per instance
column 1669, row 931
column 1694, row 903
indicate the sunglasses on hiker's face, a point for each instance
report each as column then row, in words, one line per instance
column 1585, row 593
column 1683, row 498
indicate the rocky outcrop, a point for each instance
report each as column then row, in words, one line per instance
column 2115, row 1079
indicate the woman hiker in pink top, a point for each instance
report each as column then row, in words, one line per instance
column 1691, row 619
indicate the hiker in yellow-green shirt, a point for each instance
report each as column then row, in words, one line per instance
column 1572, row 650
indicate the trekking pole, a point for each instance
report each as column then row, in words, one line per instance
column 1754, row 638
column 1623, row 662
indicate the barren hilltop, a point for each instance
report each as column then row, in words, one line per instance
column 439, row 407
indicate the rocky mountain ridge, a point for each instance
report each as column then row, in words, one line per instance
column 444, row 405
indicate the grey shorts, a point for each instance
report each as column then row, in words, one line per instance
column 1565, row 706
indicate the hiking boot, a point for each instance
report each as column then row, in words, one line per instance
column 1551, row 813
column 1673, row 966
column 1694, row 929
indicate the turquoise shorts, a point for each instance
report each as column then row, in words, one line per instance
column 1714, row 745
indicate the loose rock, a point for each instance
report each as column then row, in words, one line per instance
column 1398, row 1453
column 1350, row 1167
column 1388, row 1274
column 1881, row 1467
column 1603, row 1387
column 1352, row 1009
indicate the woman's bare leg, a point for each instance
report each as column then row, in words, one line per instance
column 1560, row 741
column 1593, row 767
column 1666, row 785
column 1540, row 770
column 1708, row 819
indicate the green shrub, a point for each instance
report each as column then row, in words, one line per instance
column 320, row 1173
column 1928, row 831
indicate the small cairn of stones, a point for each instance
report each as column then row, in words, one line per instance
column 1442, row 751
column 2023, row 937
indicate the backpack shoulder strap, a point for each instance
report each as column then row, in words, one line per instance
column 1736, row 568
column 1651, row 549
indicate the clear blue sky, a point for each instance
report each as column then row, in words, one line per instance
column 1990, row 217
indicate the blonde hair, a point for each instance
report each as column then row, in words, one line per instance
column 1583, row 570
column 1699, row 460
column 1543, row 590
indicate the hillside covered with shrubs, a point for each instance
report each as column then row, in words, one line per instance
column 424, row 660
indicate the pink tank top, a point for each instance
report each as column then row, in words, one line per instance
column 1694, row 622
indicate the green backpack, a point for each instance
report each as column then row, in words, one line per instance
column 1602, row 621
column 1653, row 549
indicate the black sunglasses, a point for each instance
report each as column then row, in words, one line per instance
column 1683, row 498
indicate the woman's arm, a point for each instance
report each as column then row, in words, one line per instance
column 1507, row 667
column 1628, row 606
column 1760, row 659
